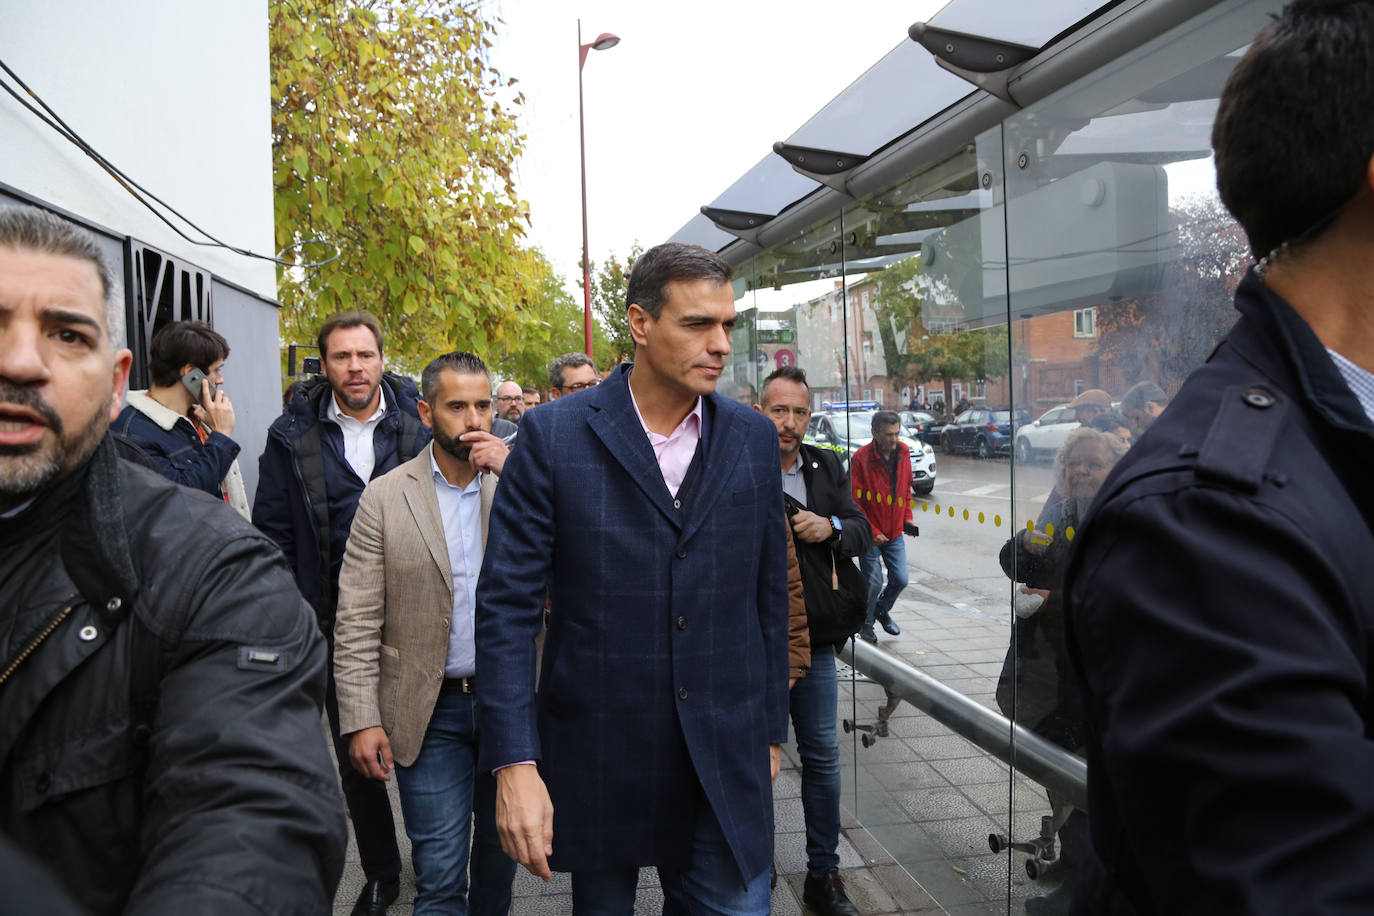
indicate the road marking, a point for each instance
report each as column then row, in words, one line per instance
column 986, row 490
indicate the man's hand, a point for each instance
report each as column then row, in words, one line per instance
column 369, row 750
column 1036, row 542
column 774, row 761
column 879, row 539
column 488, row 451
column 812, row 528
column 524, row 818
column 214, row 410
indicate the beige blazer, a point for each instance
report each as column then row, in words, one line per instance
column 395, row 601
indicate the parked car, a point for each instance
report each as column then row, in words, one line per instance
column 847, row 433
column 1046, row 434
column 921, row 425
column 984, row 431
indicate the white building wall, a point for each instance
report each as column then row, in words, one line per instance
column 174, row 92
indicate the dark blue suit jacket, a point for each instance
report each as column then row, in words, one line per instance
column 664, row 673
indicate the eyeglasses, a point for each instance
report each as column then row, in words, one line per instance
column 577, row 386
column 508, row 398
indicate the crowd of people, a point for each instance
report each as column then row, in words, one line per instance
column 575, row 633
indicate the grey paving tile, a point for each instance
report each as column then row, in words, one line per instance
column 907, row 775
column 905, row 891
column 941, row 747
column 878, row 808
column 971, row 770
column 963, row 838
column 937, row 804
column 908, row 844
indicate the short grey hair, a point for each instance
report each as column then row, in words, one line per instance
column 1115, row 446
column 458, row 361
column 31, row 229
column 567, row 361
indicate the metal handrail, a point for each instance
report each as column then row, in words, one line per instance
column 1047, row 763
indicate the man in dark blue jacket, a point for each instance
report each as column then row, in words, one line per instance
column 340, row 431
column 183, row 421
column 1219, row 599
column 650, row 509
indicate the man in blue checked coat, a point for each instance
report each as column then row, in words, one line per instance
column 650, row 511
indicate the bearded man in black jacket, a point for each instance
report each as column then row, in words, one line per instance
column 829, row 531
column 160, row 676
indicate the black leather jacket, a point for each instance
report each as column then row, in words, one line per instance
column 160, row 689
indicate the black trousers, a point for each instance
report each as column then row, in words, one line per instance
column 369, row 808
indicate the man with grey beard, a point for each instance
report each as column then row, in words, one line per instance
column 160, row 677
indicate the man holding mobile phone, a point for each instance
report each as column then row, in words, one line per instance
column 183, row 421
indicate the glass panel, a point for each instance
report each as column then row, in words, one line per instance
column 1030, row 24
column 884, row 103
column 924, row 790
column 701, row 231
column 1121, row 266
column 766, row 188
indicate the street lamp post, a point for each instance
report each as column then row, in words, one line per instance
column 603, row 41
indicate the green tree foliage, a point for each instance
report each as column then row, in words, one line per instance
column 552, row 326
column 609, row 282
column 390, row 139
column 921, row 357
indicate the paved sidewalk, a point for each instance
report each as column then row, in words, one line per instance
column 919, row 804
column 877, row 884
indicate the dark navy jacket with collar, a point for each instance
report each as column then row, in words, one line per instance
column 664, row 671
column 1222, row 619
column 178, row 452
column 307, row 492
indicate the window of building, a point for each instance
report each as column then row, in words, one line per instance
column 1085, row 322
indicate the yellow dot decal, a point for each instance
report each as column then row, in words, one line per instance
column 1049, row 528
column 965, row 515
column 951, row 512
column 980, row 518
column 937, row 508
column 1068, row 532
column 997, row 521
column 925, row 506
column 1030, row 525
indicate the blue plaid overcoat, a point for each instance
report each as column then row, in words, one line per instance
column 664, row 673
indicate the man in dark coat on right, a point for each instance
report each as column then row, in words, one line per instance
column 1220, row 606
column 829, row 531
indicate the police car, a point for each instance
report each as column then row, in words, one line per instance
column 846, row 432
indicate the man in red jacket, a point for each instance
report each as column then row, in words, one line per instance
column 881, row 474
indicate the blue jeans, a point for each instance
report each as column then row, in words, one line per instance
column 710, row 884
column 815, row 701
column 440, row 794
column 880, row 600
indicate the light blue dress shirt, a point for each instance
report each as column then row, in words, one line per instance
column 1360, row 381
column 460, row 508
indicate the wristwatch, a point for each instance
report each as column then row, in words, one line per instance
column 839, row 529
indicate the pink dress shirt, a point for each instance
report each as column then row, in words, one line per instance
column 675, row 450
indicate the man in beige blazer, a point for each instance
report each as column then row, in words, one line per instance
column 404, row 659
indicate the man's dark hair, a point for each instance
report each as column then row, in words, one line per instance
column 567, row 361
column 529, row 391
column 882, row 419
column 1293, row 134
column 662, row 264
column 348, row 320
column 787, row 374
column 1109, row 421
column 180, row 342
column 458, row 361
column 32, row 229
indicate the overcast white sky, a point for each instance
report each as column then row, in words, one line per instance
column 692, row 97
